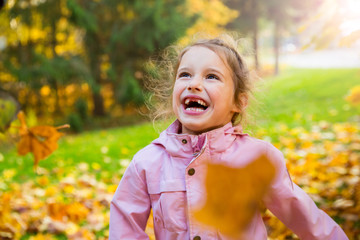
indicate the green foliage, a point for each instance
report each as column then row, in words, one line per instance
column 156, row 19
column 81, row 107
column 8, row 109
column 127, row 33
column 120, row 34
column 250, row 13
column 55, row 43
column 129, row 90
column 76, row 123
column 81, row 17
column 7, row 113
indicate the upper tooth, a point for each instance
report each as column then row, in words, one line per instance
column 201, row 102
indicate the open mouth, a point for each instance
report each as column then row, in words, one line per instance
column 196, row 105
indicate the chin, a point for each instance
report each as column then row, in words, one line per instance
column 197, row 128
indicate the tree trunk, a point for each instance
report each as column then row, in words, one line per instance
column 53, row 80
column 255, row 29
column 58, row 110
column 94, row 57
column 276, row 47
column 98, row 102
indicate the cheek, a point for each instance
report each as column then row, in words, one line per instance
column 218, row 95
column 176, row 97
column 173, row 102
column 224, row 98
column 177, row 90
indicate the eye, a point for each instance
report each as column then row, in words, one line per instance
column 184, row 75
column 212, row 76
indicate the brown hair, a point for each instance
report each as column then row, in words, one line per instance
column 161, row 82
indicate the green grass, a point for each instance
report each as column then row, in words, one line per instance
column 298, row 97
column 105, row 147
column 303, row 96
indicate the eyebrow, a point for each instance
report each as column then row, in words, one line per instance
column 183, row 69
column 211, row 69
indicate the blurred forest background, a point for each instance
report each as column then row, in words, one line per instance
column 83, row 62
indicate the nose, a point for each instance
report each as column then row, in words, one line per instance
column 195, row 84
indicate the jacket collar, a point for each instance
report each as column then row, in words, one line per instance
column 181, row 145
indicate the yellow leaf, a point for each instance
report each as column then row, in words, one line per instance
column 111, row 188
column 45, row 91
column 9, row 174
column 234, row 195
column 51, row 191
column 96, row 166
column 124, row 151
column 56, row 211
column 71, row 228
column 41, row 236
column 212, row 17
column 40, row 140
column 43, row 180
column 354, row 96
column 69, row 189
column 76, row 212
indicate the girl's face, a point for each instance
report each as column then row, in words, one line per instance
column 203, row 92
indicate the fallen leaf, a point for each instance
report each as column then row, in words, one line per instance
column 354, row 95
column 41, row 141
column 234, row 195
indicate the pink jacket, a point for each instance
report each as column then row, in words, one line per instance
column 159, row 177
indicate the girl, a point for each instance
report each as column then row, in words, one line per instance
column 209, row 96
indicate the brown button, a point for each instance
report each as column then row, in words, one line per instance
column 197, row 238
column 191, row 171
column 184, row 141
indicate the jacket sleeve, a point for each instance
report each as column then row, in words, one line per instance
column 295, row 208
column 130, row 207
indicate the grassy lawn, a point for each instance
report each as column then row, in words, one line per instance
column 103, row 150
column 302, row 96
column 297, row 97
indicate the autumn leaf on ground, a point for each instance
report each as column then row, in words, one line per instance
column 234, row 195
column 354, row 95
column 41, row 141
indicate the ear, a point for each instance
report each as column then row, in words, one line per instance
column 243, row 100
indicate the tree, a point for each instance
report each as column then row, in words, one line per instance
column 33, row 53
column 212, row 18
column 103, row 42
column 122, row 35
column 284, row 14
column 248, row 21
